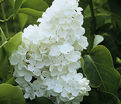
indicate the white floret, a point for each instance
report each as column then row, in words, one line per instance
column 67, row 87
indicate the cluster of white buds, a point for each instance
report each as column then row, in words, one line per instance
column 47, row 61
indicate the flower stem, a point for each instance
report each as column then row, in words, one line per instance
column 93, row 16
column 4, row 17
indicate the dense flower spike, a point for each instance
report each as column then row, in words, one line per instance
column 47, row 61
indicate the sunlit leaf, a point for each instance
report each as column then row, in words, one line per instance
column 22, row 19
column 39, row 5
column 31, row 12
column 11, row 94
column 13, row 43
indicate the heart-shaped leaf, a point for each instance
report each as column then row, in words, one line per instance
column 99, row 69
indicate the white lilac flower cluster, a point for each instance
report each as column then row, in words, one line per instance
column 47, row 61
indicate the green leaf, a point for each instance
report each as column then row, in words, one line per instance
column 118, row 60
column 18, row 4
column 13, row 43
column 11, row 81
column 111, row 41
column 3, row 64
column 3, row 37
column 31, row 12
column 97, row 97
column 12, row 3
column 99, row 69
column 11, row 94
column 39, row 5
column 22, row 19
column 3, row 58
column 119, row 69
column 91, row 71
column 49, row 2
column 1, row 1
